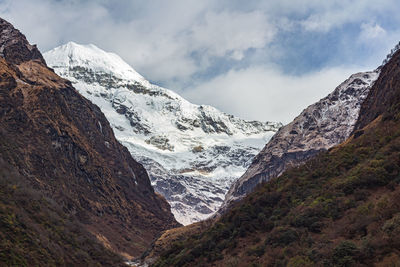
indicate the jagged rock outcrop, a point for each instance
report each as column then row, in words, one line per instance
column 192, row 152
column 14, row 47
column 319, row 127
column 63, row 145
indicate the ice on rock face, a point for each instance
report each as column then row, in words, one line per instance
column 193, row 153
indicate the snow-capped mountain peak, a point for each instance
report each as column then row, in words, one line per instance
column 192, row 152
column 73, row 55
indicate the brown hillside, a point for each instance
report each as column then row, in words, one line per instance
column 64, row 146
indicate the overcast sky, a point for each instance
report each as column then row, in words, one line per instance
column 264, row 60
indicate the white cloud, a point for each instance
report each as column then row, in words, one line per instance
column 326, row 15
column 318, row 23
column 264, row 93
column 231, row 33
column 181, row 43
column 371, row 31
column 158, row 43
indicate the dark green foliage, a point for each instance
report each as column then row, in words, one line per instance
column 282, row 236
column 36, row 232
column 257, row 250
column 344, row 254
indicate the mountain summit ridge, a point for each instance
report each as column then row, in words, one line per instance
column 91, row 56
column 14, row 47
column 192, row 152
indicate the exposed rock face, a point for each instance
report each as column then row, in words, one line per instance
column 381, row 95
column 65, row 147
column 192, row 152
column 319, row 127
column 14, row 47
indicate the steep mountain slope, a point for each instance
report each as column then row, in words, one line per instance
column 318, row 128
column 64, row 148
column 192, row 152
column 339, row 209
column 381, row 97
column 36, row 231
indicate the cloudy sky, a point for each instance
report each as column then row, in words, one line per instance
column 264, row 60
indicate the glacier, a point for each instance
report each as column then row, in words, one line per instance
column 193, row 153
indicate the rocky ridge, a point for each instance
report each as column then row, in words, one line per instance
column 192, row 152
column 319, row 127
column 14, row 47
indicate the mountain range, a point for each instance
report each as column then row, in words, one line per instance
column 324, row 190
column 192, row 153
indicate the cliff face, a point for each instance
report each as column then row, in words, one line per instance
column 318, row 128
column 64, row 146
column 384, row 97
